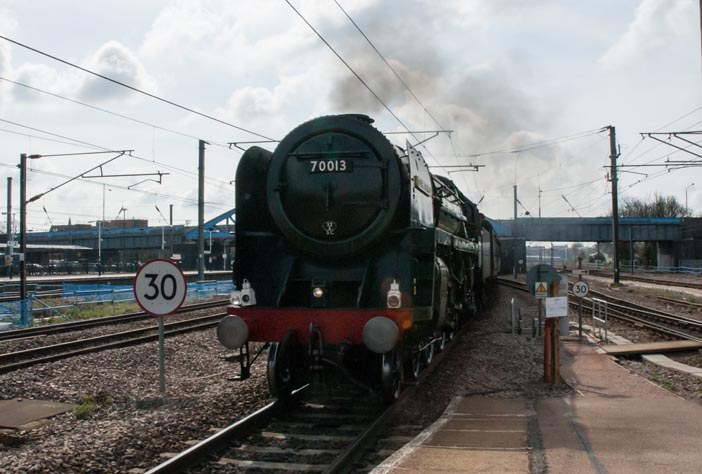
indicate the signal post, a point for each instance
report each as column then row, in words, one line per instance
column 544, row 282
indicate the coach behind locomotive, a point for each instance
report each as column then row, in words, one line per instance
column 350, row 254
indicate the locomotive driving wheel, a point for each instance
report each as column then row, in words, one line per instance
column 391, row 375
column 414, row 361
column 446, row 337
column 428, row 350
column 280, row 366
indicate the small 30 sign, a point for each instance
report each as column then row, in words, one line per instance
column 160, row 287
column 580, row 289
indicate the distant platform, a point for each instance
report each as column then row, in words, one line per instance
column 651, row 347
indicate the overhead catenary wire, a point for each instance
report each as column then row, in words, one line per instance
column 409, row 89
column 97, row 147
column 360, row 79
column 115, row 186
column 658, row 130
column 110, row 112
column 135, row 89
column 533, row 146
column 406, row 86
column 348, row 66
column 387, row 63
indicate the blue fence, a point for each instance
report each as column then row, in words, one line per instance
column 74, row 295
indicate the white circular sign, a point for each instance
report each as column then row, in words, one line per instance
column 580, row 289
column 160, row 287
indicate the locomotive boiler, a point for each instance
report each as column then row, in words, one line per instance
column 351, row 255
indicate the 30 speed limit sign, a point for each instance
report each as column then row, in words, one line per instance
column 160, row 287
column 580, row 289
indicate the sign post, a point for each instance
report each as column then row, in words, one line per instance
column 160, row 289
column 580, row 289
column 543, row 281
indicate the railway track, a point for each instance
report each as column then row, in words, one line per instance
column 70, row 326
column 678, row 302
column 346, row 430
column 309, row 433
column 25, row 358
column 655, row 281
column 666, row 324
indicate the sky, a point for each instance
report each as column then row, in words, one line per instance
column 526, row 87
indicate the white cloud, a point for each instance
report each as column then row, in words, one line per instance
column 112, row 60
column 472, row 13
column 241, row 38
column 39, row 76
column 255, row 100
column 8, row 24
column 656, row 24
column 116, row 62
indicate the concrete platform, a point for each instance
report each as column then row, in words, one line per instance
column 18, row 412
column 480, row 434
column 615, row 423
column 661, row 347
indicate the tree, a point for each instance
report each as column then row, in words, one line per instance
column 659, row 206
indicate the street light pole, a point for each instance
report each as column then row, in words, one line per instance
column 171, row 229
column 8, row 245
column 23, row 239
column 615, row 203
column 163, row 236
column 23, row 213
column 99, row 248
column 687, row 210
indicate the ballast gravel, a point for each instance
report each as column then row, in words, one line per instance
column 133, row 424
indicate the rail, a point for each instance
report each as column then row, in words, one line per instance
column 10, row 361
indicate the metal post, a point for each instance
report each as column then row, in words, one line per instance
column 580, row 309
column 615, row 203
column 631, row 248
column 99, row 248
column 100, row 234
column 8, row 247
column 201, row 213
column 171, row 223
column 514, row 235
column 124, row 235
column 23, row 239
column 548, row 350
column 161, row 356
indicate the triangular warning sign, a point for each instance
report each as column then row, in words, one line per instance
column 541, row 288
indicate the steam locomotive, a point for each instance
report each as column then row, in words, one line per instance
column 351, row 255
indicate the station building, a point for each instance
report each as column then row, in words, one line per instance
column 123, row 245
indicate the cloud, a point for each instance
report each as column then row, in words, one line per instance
column 656, row 24
column 239, row 38
column 112, row 60
column 8, row 24
column 38, row 76
column 117, row 62
column 472, row 13
column 256, row 100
